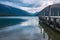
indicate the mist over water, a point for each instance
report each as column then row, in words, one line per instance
column 25, row 30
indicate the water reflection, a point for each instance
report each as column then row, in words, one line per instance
column 52, row 34
column 4, row 22
column 27, row 30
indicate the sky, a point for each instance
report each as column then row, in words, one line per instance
column 31, row 6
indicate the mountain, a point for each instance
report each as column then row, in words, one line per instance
column 6, row 10
column 36, row 14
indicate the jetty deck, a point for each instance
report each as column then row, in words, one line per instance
column 52, row 18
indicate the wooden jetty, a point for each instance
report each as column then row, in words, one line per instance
column 51, row 20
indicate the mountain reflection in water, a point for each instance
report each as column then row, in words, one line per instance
column 4, row 22
column 26, row 30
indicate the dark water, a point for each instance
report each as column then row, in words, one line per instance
column 52, row 34
column 5, row 22
column 25, row 28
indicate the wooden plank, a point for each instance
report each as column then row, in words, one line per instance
column 52, row 16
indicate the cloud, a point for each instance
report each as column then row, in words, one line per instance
column 31, row 6
column 28, row 9
column 56, row 1
column 25, row 3
column 7, row 3
column 30, row 1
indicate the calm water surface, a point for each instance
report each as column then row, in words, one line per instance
column 52, row 34
column 22, row 28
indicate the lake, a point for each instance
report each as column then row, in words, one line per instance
column 21, row 28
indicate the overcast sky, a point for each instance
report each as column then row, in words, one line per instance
column 31, row 6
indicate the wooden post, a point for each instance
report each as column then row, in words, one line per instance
column 49, row 20
column 49, row 14
column 55, row 24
